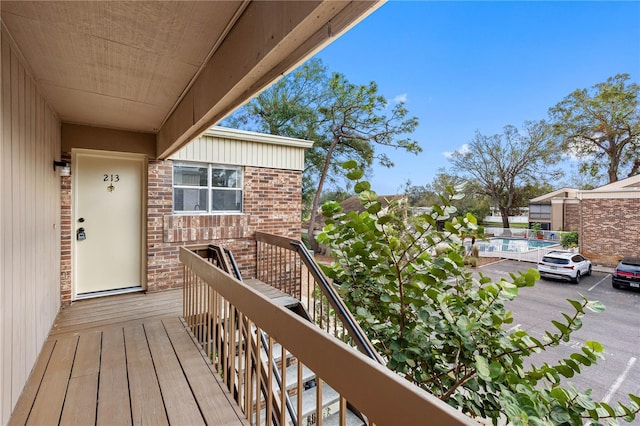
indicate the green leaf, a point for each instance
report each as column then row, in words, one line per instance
column 355, row 174
column 350, row 164
column 585, row 402
column 581, row 359
column 594, row 346
column 576, row 305
column 595, row 306
column 563, row 328
column 635, row 398
column 559, row 394
column 374, row 208
column 565, row 370
column 361, row 186
column 495, row 370
column 482, row 366
column 560, row 416
column 608, row 409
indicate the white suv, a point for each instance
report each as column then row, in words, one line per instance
column 564, row 265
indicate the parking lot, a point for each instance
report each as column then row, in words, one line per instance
column 618, row 328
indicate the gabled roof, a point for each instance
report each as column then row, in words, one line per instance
column 624, row 188
column 560, row 193
column 632, row 182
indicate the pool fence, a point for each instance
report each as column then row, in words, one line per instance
column 524, row 254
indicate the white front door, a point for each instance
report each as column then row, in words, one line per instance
column 108, row 222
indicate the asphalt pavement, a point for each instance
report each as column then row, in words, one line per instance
column 617, row 328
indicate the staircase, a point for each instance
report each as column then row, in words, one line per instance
column 250, row 335
column 302, row 387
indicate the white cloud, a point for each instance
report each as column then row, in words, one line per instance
column 400, row 98
column 462, row 150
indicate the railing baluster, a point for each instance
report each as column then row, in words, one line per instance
column 318, row 401
column 299, row 390
column 258, row 346
column 270, row 384
column 283, row 387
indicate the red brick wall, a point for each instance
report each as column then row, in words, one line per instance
column 272, row 204
column 571, row 217
column 65, row 236
column 610, row 229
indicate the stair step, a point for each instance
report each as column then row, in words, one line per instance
column 329, row 396
column 292, row 375
column 334, row 419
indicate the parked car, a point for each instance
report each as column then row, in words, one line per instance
column 564, row 265
column 627, row 273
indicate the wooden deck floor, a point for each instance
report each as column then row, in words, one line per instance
column 124, row 360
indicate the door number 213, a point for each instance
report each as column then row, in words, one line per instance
column 111, row 178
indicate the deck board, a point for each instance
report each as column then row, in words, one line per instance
column 147, row 407
column 80, row 402
column 50, row 398
column 179, row 402
column 114, row 384
column 25, row 402
column 130, row 362
column 199, row 375
column 82, row 392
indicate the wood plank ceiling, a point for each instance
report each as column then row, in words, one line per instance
column 169, row 68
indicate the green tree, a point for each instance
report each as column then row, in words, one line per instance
column 601, row 126
column 473, row 202
column 528, row 191
column 446, row 331
column 288, row 107
column 500, row 166
column 343, row 119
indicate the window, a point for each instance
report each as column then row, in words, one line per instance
column 539, row 212
column 206, row 188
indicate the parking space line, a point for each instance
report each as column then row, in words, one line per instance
column 513, row 328
column 619, row 381
column 599, row 282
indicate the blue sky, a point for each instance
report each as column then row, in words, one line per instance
column 467, row 66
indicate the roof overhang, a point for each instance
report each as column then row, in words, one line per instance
column 170, row 69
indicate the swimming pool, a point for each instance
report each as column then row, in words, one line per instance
column 512, row 244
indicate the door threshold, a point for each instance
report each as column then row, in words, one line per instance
column 93, row 294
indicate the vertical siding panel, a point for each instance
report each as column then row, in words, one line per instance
column 53, row 144
column 253, row 153
column 31, row 241
column 189, row 151
column 199, row 149
column 25, row 323
column 18, row 153
column 29, row 252
column 6, row 287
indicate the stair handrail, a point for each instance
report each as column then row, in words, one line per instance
column 234, row 264
column 217, row 252
column 362, row 342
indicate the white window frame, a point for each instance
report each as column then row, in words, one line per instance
column 209, row 188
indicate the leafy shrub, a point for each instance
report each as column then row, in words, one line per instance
column 447, row 331
column 569, row 240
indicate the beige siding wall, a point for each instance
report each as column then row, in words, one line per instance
column 29, row 221
column 246, row 153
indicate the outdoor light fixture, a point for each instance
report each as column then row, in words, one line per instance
column 65, row 167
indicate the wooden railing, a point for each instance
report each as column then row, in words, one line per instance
column 286, row 264
column 227, row 315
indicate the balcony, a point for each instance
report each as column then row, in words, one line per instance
column 278, row 349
